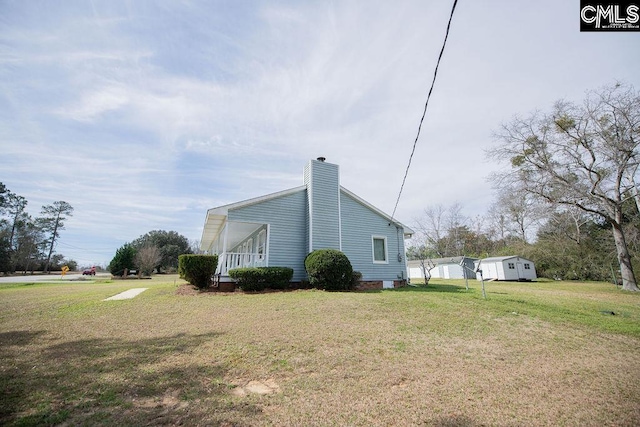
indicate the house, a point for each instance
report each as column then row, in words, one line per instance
column 458, row 267
column 506, row 268
column 280, row 229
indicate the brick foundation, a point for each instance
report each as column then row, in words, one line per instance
column 400, row 283
column 226, row 287
column 370, row 285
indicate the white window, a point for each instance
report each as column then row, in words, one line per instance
column 527, row 267
column 379, row 249
column 512, row 266
column 262, row 243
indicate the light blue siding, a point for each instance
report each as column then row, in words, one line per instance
column 287, row 236
column 323, row 215
column 359, row 225
column 323, row 183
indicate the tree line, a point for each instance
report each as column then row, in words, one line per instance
column 156, row 250
column 28, row 243
column 564, row 243
column 567, row 198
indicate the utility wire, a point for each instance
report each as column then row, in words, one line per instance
column 424, row 113
column 99, row 251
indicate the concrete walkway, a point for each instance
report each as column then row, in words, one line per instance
column 131, row 293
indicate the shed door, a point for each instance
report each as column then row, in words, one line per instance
column 446, row 271
column 521, row 273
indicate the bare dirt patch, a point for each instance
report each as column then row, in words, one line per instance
column 168, row 401
column 185, row 289
column 268, row 386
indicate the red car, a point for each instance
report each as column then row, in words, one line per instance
column 89, row 272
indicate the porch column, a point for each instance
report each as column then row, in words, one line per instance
column 266, row 245
column 222, row 259
column 224, row 237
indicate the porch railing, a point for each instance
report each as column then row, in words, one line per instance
column 230, row 260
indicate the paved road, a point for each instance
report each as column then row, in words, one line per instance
column 50, row 277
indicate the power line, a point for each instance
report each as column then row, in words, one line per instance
column 95, row 250
column 424, row 113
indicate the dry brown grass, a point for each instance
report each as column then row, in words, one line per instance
column 441, row 357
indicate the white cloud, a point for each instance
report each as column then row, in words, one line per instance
column 94, row 104
column 145, row 115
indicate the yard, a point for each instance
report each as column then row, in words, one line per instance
column 548, row 353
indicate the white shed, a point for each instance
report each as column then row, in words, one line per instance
column 444, row 268
column 512, row 267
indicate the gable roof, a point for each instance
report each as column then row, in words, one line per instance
column 216, row 217
column 503, row 258
column 408, row 232
column 443, row 261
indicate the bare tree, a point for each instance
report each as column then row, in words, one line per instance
column 52, row 222
column 497, row 228
column 431, row 228
column 421, row 252
column 568, row 222
column 147, row 258
column 171, row 245
column 633, row 188
column 426, row 264
column 579, row 155
column 194, row 246
column 440, row 228
column 456, row 229
column 518, row 213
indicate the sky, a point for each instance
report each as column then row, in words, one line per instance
column 144, row 114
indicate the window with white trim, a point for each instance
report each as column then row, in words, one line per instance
column 512, row 266
column 527, row 266
column 379, row 249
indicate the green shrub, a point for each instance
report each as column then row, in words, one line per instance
column 123, row 259
column 329, row 269
column 197, row 269
column 259, row 278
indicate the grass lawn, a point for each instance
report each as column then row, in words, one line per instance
column 546, row 353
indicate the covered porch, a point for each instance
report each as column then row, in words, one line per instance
column 238, row 244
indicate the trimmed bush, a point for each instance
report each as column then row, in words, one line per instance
column 260, row 278
column 197, row 269
column 329, row 269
